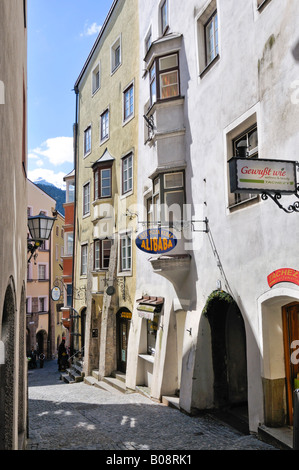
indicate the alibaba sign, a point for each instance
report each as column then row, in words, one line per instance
column 156, row 241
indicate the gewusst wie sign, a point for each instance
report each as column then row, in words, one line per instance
column 156, row 241
column 256, row 175
column 283, row 275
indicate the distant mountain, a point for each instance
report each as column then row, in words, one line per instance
column 54, row 192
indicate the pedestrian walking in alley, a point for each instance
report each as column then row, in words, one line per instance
column 41, row 360
column 62, row 356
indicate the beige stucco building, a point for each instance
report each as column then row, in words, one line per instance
column 106, row 185
column 13, row 150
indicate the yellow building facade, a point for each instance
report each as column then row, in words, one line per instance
column 106, row 193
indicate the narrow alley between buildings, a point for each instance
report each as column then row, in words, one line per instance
column 83, row 417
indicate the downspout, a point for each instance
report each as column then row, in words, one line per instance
column 74, row 222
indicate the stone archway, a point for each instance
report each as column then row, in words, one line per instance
column 7, row 377
column 229, row 360
column 41, row 340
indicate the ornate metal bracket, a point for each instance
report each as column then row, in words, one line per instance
column 277, row 196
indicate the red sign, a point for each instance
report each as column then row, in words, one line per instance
column 283, row 275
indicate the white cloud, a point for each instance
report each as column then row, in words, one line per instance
column 57, row 150
column 91, row 30
column 48, row 175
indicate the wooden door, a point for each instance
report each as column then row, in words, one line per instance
column 290, row 318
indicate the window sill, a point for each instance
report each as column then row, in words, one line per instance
column 209, row 66
column 87, row 154
column 147, row 358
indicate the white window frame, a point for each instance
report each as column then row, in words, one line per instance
column 129, row 191
column 86, row 204
column 46, row 271
column 66, row 243
column 125, row 268
column 29, row 304
column 68, row 192
column 95, row 72
column 148, row 40
column 113, row 49
column 82, row 265
column 104, row 138
column 128, row 117
column 88, row 128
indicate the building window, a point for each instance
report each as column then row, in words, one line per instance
column 69, row 239
column 70, row 191
column 96, row 79
column 86, row 199
column 87, row 141
column 129, row 102
column 102, row 182
column 42, row 272
column 262, row 3
column 152, row 328
column 42, row 304
column 69, row 295
column 127, row 174
column 104, row 131
column 207, row 38
column 164, row 78
column 83, row 259
column 125, row 252
column 167, row 202
column 164, row 17
column 116, row 55
column 102, row 249
column 247, row 140
column 211, row 38
column 148, row 41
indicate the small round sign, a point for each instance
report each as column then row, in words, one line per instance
column 110, row 290
column 55, row 293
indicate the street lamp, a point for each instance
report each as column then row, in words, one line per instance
column 40, row 227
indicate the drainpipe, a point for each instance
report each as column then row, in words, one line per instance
column 74, row 222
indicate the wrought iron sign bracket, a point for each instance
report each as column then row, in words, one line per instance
column 277, row 196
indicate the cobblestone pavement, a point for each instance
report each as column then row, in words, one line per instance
column 82, row 417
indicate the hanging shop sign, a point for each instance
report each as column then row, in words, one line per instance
column 256, row 175
column 55, row 293
column 283, row 275
column 156, row 241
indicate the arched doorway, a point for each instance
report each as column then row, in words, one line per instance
column 7, row 371
column 229, row 360
column 123, row 321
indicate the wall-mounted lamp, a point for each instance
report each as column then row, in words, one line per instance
column 40, row 227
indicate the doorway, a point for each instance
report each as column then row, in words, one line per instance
column 290, row 322
column 123, row 321
column 228, row 340
column 83, row 328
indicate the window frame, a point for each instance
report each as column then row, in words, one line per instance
column 98, row 181
column 125, row 267
column 114, row 48
column 155, row 78
column 83, row 259
column 86, row 205
column 45, row 274
column 157, row 212
column 45, row 305
column 104, row 124
column 99, row 261
column 164, row 14
column 128, row 179
column 204, row 17
column 95, row 73
column 211, row 20
column 67, row 244
column 128, row 115
column 87, row 150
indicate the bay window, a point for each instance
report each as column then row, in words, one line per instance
column 102, row 182
column 168, row 198
column 164, row 78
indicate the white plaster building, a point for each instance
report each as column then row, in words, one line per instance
column 214, row 73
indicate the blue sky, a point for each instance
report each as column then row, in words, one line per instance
column 61, row 34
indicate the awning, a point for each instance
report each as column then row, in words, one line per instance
column 149, row 306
